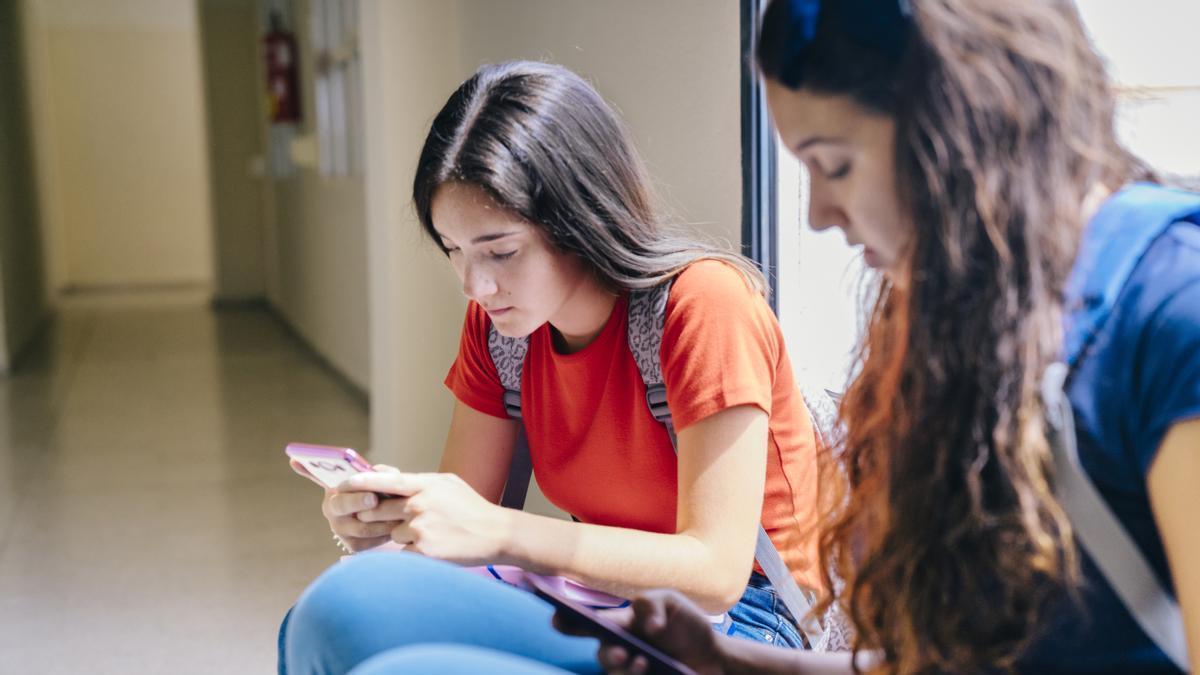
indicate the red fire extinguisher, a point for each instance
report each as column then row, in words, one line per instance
column 283, row 77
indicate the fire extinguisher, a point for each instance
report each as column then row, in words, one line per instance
column 283, row 76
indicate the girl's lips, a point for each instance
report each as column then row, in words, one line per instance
column 499, row 311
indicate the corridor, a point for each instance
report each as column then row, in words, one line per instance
column 148, row 520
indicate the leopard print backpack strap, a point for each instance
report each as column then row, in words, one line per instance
column 508, row 355
column 647, row 315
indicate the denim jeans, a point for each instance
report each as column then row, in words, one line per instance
column 761, row 616
column 430, row 612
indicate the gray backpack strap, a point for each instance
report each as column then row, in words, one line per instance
column 822, row 404
column 822, row 407
column 798, row 601
column 508, row 354
column 1099, row 531
column 647, row 316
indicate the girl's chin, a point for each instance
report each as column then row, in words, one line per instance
column 509, row 326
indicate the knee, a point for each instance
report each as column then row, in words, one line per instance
column 348, row 613
column 435, row 658
column 446, row 659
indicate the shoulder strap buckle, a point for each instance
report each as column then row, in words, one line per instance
column 512, row 403
column 656, row 401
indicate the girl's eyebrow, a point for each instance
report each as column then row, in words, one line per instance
column 483, row 238
column 492, row 237
column 817, row 140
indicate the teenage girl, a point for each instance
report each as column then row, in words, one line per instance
column 529, row 183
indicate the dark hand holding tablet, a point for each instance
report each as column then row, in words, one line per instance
column 585, row 620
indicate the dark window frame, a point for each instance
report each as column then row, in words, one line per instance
column 760, row 232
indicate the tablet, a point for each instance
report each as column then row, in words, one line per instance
column 607, row 631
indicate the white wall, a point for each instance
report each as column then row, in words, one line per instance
column 671, row 67
column 1151, row 53
column 821, row 285
column 118, row 95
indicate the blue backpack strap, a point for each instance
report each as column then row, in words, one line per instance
column 508, row 355
column 1114, row 242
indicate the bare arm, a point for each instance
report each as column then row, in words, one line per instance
column 722, row 465
column 745, row 656
column 1175, row 498
column 675, row 625
column 479, row 448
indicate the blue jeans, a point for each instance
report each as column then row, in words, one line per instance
column 374, row 603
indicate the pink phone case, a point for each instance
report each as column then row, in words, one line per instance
column 328, row 464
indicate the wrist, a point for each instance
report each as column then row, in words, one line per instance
column 504, row 526
column 342, row 544
column 727, row 658
column 738, row 657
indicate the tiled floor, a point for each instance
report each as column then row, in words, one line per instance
column 148, row 520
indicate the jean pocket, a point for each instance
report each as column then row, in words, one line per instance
column 754, row 617
column 761, row 616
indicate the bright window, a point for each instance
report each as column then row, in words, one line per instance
column 1151, row 53
column 1150, row 46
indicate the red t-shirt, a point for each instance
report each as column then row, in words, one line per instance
column 597, row 452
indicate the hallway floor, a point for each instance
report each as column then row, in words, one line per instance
column 148, row 520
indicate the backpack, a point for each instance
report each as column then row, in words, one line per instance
column 647, row 314
column 1117, row 237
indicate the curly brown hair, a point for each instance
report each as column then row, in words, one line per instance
column 940, row 515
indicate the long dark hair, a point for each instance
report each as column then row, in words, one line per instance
column 941, row 518
column 544, row 145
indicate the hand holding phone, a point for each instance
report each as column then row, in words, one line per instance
column 607, row 631
column 329, row 467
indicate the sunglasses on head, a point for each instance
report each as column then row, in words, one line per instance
column 878, row 25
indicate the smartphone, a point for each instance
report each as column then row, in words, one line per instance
column 607, row 631
column 327, row 464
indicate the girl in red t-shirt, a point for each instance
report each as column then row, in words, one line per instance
column 529, row 184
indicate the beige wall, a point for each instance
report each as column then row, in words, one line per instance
column 22, row 292
column 229, row 44
column 410, row 67
column 322, row 277
column 42, row 139
column 316, row 242
column 671, row 66
column 118, row 95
